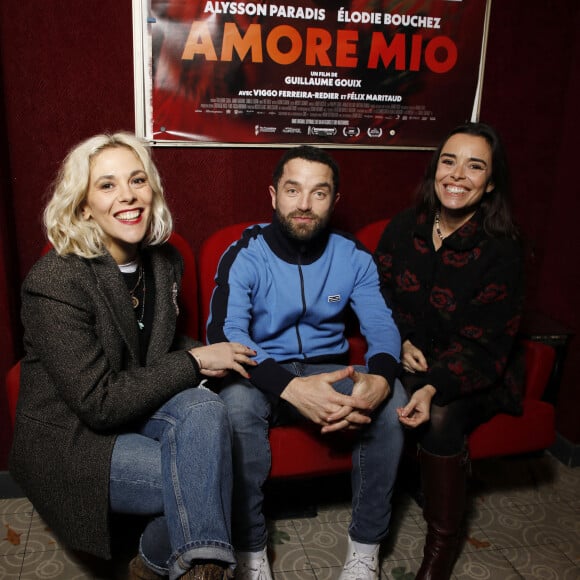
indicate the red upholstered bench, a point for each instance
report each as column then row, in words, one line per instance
column 301, row 450
column 536, row 428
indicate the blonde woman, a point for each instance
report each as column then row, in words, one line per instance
column 111, row 414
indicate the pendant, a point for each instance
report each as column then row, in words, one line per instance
column 134, row 301
column 141, row 325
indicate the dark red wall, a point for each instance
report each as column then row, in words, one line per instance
column 67, row 73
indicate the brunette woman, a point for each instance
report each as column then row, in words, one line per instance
column 451, row 269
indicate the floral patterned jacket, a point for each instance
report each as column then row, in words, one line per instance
column 460, row 305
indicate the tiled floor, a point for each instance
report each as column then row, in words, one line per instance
column 524, row 522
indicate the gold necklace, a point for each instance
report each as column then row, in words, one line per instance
column 134, row 299
column 438, row 227
column 140, row 322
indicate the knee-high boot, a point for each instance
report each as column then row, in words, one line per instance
column 444, row 482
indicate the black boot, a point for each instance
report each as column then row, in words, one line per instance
column 444, row 482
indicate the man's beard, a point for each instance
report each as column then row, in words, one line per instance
column 302, row 232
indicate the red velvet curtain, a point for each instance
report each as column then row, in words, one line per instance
column 8, row 315
column 8, row 291
column 7, row 338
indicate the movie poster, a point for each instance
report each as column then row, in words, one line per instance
column 364, row 73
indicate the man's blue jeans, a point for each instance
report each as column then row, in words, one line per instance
column 375, row 458
column 178, row 465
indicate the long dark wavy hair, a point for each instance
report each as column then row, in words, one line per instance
column 495, row 205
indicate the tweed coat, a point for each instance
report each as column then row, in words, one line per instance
column 82, row 384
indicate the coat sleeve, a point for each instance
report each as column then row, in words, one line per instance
column 74, row 344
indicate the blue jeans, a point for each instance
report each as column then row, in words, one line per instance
column 178, row 465
column 375, row 458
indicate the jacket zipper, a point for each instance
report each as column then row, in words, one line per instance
column 303, row 297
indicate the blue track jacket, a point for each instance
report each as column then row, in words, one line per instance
column 288, row 301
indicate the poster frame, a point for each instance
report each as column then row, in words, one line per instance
column 143, row 91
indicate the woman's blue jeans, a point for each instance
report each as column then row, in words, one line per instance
column 178, row 465
column 375, row 458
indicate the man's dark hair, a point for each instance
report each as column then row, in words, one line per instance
column 308, row 153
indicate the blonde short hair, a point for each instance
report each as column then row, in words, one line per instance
column 65, row 227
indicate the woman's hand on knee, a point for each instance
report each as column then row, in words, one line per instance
column 215, row 360
column 418, row 409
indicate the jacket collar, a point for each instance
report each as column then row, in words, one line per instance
column 112, row 287
column 291, row 250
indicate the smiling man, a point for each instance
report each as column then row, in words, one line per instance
column 284, row 290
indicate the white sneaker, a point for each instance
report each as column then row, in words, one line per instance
column 362, row 562
column 253, row 566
